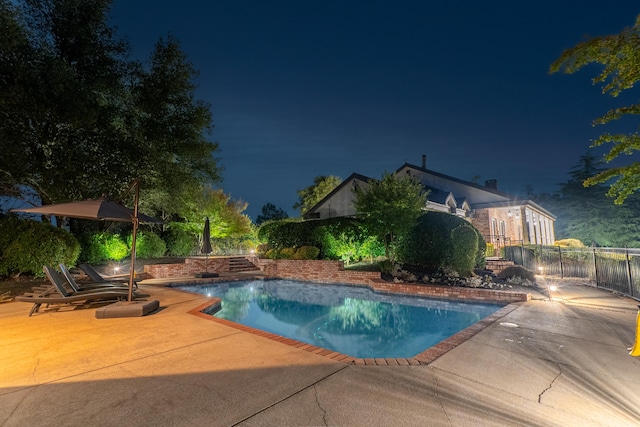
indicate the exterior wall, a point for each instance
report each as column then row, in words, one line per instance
column 341, row 203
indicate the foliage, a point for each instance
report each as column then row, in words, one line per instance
column 229, row 226
column 336, row 238
column 271, row 213
column 389, row 208
column 100, row 246
column 307, row 252
column 618, row 55
column 569, row 243
column 516, row 271
column 26, row 246
column 148, row 245
column 286, row 253
column 440, row 240
column 179, row 242
column 587, row 214
column 311, row 195
column 81, row 119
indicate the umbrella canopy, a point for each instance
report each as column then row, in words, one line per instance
column 206, row 238
column 98, row 209
column 104, row 210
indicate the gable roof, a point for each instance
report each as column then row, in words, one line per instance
column 351, row 178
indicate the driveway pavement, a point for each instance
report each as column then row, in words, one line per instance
column 559, row 362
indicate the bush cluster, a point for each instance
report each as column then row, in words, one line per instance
column 304, row 252
column 343, row 239
column 26, row 245
column 516, row 271
column 179, row 242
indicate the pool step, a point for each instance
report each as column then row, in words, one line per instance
column 239, row 263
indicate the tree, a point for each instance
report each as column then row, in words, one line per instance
column 80, row 119
column 585, row 213
column 271, row 213
column 311, row 195
column 390, row 207
column 618, row 54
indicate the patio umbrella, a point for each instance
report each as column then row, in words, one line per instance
column 101, row 209
column 206, row 243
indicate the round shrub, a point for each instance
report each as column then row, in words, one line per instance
column 516, row 271
column 287, row 253
column 464, row 249
column 306, row 252
column 34, row 244
column 271, row 254
column 440, row 240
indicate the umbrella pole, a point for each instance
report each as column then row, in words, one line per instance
column 133, row 240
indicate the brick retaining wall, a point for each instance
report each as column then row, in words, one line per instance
column 334, row 272
column 320, row 271
column 189, row 267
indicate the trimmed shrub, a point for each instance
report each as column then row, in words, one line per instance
column 32, row 244
column 307, row 252
column 516, row 271
column 287, row 253
column 271, row 254
column 439, row 240
column 464, row 249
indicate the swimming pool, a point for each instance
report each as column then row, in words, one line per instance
column 351, row 320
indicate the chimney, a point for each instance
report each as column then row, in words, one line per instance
column 491, row 183
column 424, row 161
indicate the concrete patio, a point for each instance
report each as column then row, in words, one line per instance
column 549, row 363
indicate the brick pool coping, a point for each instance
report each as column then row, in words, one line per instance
column 424, row 358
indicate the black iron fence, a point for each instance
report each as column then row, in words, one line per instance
column 613, row 269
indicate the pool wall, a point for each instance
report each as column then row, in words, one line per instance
column 321, row 271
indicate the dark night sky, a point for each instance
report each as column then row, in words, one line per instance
column 305, row 88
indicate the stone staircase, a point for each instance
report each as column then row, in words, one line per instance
column 239, row 263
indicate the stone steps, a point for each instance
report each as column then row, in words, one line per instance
column 237, row 264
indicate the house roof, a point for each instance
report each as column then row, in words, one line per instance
column 454, row 179
column 353, row 177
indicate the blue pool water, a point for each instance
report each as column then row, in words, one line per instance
column 350, row 320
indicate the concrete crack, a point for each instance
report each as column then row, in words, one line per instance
column 550, row 385
column 324, row 412
column 444, row 411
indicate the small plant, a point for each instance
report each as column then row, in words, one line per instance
column 307, row 252
column 516, row 271
column 287, row 253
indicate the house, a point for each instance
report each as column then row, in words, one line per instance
column 503, row 219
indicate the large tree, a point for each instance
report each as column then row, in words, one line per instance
column 618, row 54
column 79, row 118
column 271, row 212
column 586, row 213
column 311, row 195
column 390, row 207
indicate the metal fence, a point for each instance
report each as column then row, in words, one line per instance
column 613, row 269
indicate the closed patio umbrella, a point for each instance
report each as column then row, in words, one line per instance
column 100, row 209
column 206, row 249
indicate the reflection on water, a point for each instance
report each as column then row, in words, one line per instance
column 347, row 319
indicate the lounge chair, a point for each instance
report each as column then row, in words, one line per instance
column 64, row 296
column 77, row 287
column 96, row 277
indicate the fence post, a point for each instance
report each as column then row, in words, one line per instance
column 629, row 279
column 561, row 269
column 595, row 266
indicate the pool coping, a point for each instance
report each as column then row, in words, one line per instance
column 423, row 358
